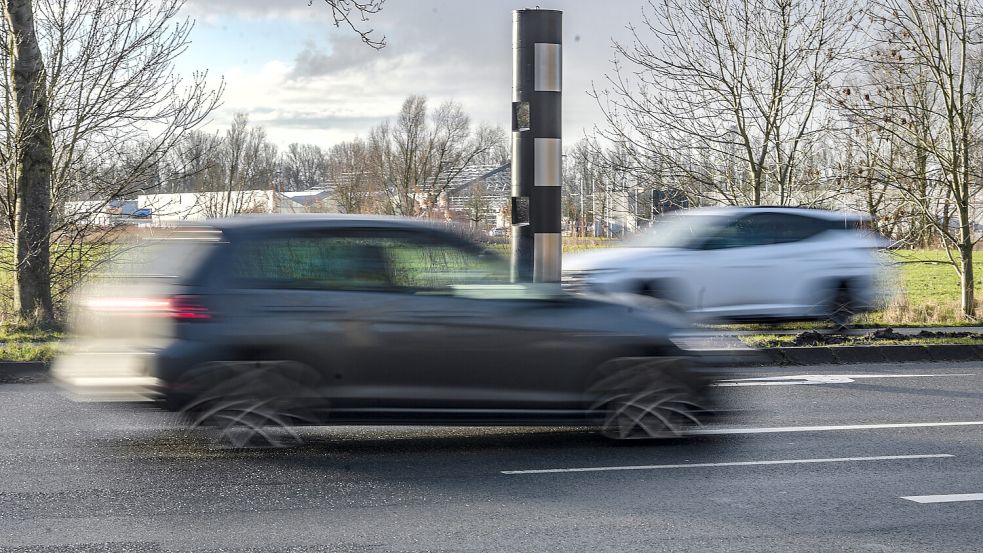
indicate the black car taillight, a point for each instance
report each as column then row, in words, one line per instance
column 181, row 307
column 188, row 308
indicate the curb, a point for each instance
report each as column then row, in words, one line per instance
column 841, row 355
column 23, row 372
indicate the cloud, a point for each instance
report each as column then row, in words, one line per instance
column 257, row 9
column 321, row 84
column 314, row 121
column 346, row 53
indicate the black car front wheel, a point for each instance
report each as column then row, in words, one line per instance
column 648, row 398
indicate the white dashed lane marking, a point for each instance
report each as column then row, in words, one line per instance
column 951, row 498
column 782, row 429
column 731, row 464
column 800, row 379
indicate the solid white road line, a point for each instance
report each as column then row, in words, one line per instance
column 799, row 379
column 945, row 498
column 781, row 429
column 732, row 464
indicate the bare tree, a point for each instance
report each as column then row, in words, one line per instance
column 476, row 204
column 91, row 105
column 725, row 93
column 249, row 164
column 28, row 157
column 408, row 163
column 193, row 165
column 499, row 151
column 109, row 96
column 420, row 155
column 395, row 200
column 602, row 192
column 581, row 176
column 451, row 148
column 348, row 171
column 304, row 166
column 352, row 13
column 923, row 96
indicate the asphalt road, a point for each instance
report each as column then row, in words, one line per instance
column 819, row 462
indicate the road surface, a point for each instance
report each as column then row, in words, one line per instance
column 844, row 458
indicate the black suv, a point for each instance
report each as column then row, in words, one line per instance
column 255, row 323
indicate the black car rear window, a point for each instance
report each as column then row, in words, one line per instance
column 174, row 255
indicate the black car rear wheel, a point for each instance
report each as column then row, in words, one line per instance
column 243, row 404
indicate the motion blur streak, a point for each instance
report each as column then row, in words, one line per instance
column 178, row 307
column 754, row 264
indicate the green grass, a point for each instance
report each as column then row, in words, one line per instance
column 575, row 244
column 26, row 343
column 20, row 342
column 26, row 333
column 928, row 292
column 928, row 275
column 570, row 245
column 28, row 351
column 788, row 340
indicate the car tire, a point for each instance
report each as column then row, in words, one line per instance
column 648, row 398
column 841, row 308
column 660, row 290
column 247, row 404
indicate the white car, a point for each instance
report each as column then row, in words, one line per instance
column 744, row 264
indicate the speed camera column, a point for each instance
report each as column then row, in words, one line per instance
column 536, row 146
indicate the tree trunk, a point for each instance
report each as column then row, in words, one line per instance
column 34, row 166
column 756, row 178
column 966, row 281
column 966, row 261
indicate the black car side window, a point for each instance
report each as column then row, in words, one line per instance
column 432, row 266
column 323, row 262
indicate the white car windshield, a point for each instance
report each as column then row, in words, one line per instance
column 678, row 231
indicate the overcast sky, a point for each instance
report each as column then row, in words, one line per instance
column 292, row 71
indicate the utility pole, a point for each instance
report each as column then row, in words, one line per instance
column 536, row 145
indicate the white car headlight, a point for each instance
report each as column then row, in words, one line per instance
column 583, row 280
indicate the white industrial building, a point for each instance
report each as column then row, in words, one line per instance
column 166, row 209
column 197, row 206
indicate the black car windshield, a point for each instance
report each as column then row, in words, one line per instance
column 678, row 231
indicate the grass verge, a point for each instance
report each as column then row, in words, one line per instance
column 886, row 337
column 28, row 333
column 28, row 351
